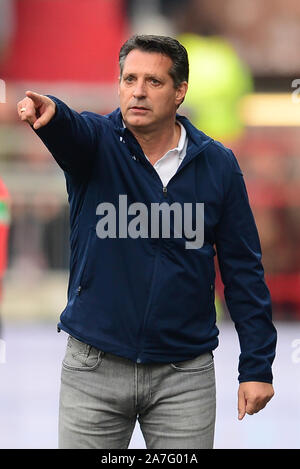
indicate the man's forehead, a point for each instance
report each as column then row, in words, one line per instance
column 147, row 61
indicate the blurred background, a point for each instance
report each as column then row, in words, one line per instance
column 244, row 91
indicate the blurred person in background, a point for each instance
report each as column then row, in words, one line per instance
column 6, row 31
column 6, row 26
column 218, row 81
column 4, row 232
column 141, row 318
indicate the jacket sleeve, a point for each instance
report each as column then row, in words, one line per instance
column 246, row 293
column 71, row 137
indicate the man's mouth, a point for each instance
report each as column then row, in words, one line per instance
column 139, row 108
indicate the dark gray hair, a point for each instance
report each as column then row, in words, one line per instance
column 164, row 45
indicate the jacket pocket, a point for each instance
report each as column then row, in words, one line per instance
column 212, row 278
column 81, row 283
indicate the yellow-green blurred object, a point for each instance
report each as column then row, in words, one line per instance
column 219, row 308
column 217, row 81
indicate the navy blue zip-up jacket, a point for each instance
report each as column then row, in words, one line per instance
column 150, row 299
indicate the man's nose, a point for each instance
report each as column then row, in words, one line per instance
column 139, row 90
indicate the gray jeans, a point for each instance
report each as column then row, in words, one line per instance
column 102, row 395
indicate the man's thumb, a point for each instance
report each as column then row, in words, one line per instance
column 37, row 124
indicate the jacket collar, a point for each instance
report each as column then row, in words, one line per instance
column 198, row 140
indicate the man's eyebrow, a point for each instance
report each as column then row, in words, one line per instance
column 152, row 75
column 147, row 75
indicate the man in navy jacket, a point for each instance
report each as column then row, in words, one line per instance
column 152, row 200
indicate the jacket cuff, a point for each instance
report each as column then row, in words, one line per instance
column 55, row 119
column 258, row 379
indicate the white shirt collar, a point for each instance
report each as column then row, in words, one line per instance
column 181, row 141
column 168, row 164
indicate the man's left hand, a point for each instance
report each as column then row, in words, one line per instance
column 253, row 396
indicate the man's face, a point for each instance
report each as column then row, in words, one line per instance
column 148, row 98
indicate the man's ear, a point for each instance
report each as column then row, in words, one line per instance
column 119, row 81
column 181, row 91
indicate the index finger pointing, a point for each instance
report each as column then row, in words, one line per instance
column 36, row 98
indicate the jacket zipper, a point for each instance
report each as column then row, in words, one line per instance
column 165, row 194
column 150, row 296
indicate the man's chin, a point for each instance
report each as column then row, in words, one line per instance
column 137, row 121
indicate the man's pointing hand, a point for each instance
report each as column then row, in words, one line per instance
column 36, row 109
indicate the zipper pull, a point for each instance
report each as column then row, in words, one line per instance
column 165, row 190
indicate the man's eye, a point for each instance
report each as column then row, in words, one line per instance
column 129, row 79
column 154, row 81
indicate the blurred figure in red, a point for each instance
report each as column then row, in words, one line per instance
column 4, row 230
